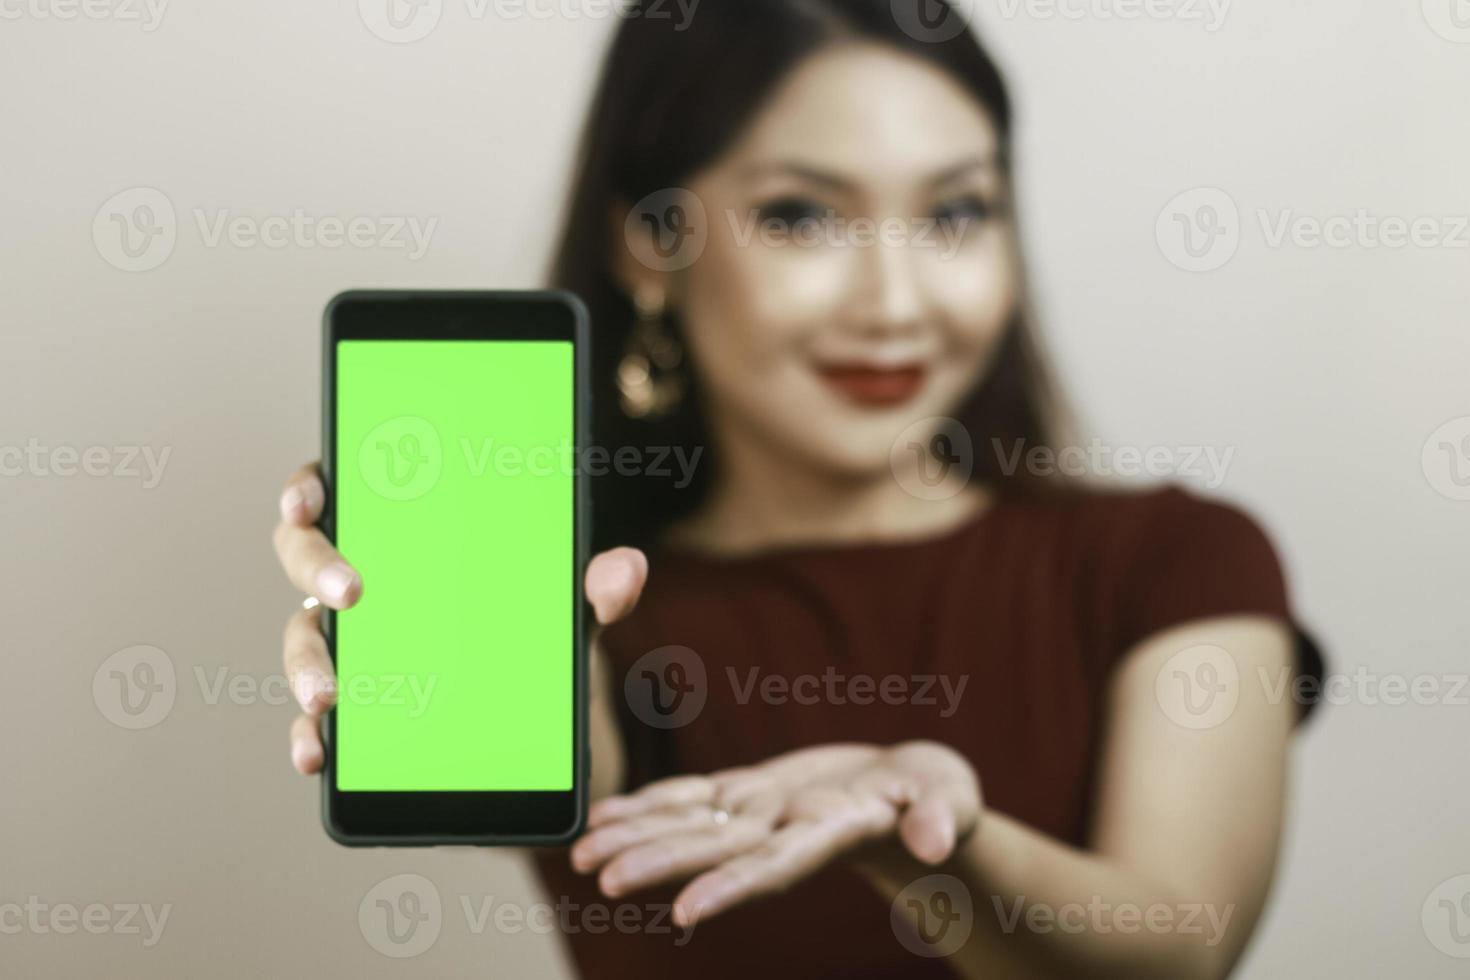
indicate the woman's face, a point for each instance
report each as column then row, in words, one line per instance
column 859, row 268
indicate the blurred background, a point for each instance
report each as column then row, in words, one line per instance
column 159, row 353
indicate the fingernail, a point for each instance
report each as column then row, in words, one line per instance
column 305, row 756
column 685, row 915
column 335, row 584
column 611, row 885
column 626, row 572
column 291, row 499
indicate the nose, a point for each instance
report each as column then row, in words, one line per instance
column 891, row 297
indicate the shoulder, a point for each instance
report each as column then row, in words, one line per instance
column 1112, row 529
column 1141, row 524
column 1161, row 557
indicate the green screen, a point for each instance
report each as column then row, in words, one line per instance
column 454, row 476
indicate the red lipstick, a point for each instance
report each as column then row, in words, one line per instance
column 874, row 386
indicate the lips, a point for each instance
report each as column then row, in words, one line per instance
column 874, row 386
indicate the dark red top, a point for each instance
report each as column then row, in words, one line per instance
column 1034, row 602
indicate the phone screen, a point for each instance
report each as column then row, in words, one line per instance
column 455, row 499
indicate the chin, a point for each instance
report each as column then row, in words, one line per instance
column 849, row 456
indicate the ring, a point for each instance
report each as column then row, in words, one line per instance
column 719, row 816
column 310, row 602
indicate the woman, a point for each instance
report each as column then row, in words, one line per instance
column 838, row 540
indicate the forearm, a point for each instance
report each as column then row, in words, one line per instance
column 1185, row 830
column 1045, row 909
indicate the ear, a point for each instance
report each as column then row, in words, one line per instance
column 635, row 265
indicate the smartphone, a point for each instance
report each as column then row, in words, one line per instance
column 453, row 423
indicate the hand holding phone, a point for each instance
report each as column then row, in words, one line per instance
column 500, row 758
column 613, row 584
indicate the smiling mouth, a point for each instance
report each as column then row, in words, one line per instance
column 874, row 386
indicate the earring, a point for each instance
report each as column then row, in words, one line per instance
column 648, row 377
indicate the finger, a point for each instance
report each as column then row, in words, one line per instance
column 678, row 857
column 677, row 792
column 605, row 843
column 792, row 853
column 314, row 567
column 309, row 668
column 940, row 798
column 304, row 497
column 927, row 828
column 306, row 745
column 614, row 581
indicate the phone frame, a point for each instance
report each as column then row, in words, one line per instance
column 492, row 818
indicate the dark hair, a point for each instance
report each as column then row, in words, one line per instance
column 672, row 97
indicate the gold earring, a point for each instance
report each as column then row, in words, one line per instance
column 649, row 379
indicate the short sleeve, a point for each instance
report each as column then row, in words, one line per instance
column 1174, row 557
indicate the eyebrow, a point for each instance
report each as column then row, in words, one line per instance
column 817, row 175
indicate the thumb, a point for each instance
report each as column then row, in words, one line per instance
column 614, row 582
column 927, row 827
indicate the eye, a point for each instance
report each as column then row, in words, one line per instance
column 966, row 209
column 791, row 211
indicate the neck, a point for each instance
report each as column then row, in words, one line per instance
column 764, row 500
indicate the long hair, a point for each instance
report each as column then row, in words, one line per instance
column 674, row 93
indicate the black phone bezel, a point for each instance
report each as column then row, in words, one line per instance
column 378, row 819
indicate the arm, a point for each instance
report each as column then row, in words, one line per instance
column 1186, row 820
column 1186, row 824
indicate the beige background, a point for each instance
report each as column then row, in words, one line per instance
column 1326, row 369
